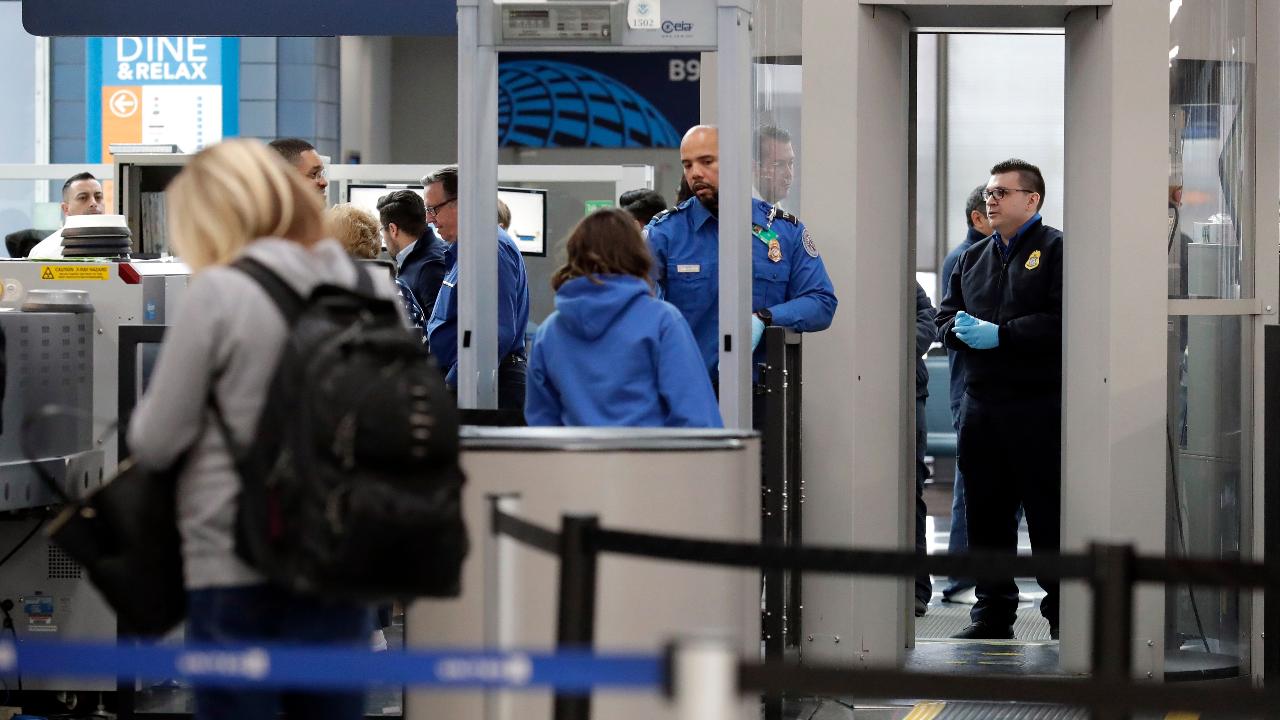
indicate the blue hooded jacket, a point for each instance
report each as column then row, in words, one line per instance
column 614, row 355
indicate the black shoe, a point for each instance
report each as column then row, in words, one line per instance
column 1053, row 632
column 985, row 631
column 922, row 607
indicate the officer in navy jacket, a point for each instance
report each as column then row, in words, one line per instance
column 1003, row 312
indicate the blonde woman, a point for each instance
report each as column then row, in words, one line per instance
column 358, row 231
column 238, row 198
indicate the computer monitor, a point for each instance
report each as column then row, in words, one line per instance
column 528, row 211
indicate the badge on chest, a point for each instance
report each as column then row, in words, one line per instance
column 770, row 239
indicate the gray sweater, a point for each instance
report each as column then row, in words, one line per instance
column 228, row 334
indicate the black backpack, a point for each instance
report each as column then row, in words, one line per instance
column 352, row 485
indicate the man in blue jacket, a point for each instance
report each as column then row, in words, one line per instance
column 975, row 217
column 419, row 254
column 1003, row 312
column 926, row 332
column 441, row 195
column 790, row 285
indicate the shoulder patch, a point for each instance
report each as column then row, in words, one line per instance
column 664, row 215
column 809, row 245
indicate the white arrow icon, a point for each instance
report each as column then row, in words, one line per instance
column 123, row 103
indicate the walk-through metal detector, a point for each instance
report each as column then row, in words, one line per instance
column 487, row 27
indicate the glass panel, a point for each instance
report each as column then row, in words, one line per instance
column 776, row 121
column 985, row 127
column 22, row 219
column 928, row 257
column 1210, row 406
column 1211, row 141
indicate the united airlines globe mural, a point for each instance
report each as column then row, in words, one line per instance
column 550, row 103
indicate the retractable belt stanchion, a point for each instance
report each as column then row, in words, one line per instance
column 576, row 617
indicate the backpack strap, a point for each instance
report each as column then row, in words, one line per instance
column 281, row 293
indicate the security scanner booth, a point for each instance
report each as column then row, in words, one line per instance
column 635, row 479
column 1170, row 277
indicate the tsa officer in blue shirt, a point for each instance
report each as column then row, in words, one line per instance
column 1003, row 311
column 441, row 195
column 790, row 286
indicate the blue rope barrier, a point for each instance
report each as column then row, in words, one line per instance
column 297, row 667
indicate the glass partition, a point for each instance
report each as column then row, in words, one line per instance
column 1210, row 246
column 1211, row 142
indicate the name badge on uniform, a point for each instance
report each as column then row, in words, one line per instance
column 688, row 268
column 1033, row 262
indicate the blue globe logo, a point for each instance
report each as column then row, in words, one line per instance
column 543, row 103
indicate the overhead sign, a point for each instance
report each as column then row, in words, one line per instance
column 160, row 90
column 613, row 100
column 272, row 18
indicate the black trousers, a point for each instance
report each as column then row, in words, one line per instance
column 511, row 382
column 1010, row 451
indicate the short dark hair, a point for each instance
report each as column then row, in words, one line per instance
column 643, row 204
column 291, row 148
column 606, row 242
column 770, row 132
column 74, row 179
column 1029, row 174
column 406, row 209
column 448, row 176
column 975, row 203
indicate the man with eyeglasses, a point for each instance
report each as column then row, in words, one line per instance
column 441, row 195
column 420, row 256
column 303, row 157
column 775, row 165
column 1002, row 312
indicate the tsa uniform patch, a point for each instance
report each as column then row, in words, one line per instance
column 809, row 246
column 1033, row 262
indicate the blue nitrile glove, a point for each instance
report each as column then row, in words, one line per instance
column 964, row 319
column 757, row 331
column 981, row 335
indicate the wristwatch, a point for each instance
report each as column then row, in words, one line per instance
column 765, row 316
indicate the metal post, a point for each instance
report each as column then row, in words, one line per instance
column 1112, row 585
column 774, row 503
column 576, row 612
column 1271, row 503
column 704, row 680
column 499, row 605
column 733, row 75
column 477, row 208
column 793, row 511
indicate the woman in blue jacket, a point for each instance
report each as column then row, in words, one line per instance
column 612, row 353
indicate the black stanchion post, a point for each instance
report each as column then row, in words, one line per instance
column 1112, row 585
column 576, row 613
column 774, row 502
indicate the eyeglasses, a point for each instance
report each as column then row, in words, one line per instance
column 434, row 210
column 317, row 174
column 999, row 193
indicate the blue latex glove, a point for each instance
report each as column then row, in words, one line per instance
column 757, row 331
column 980, row 335
column 964, row 319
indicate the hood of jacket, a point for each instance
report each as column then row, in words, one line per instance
column 588, row 309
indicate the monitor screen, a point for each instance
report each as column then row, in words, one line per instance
column 528, row 211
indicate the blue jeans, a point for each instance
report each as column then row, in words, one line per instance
column 262, row 613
